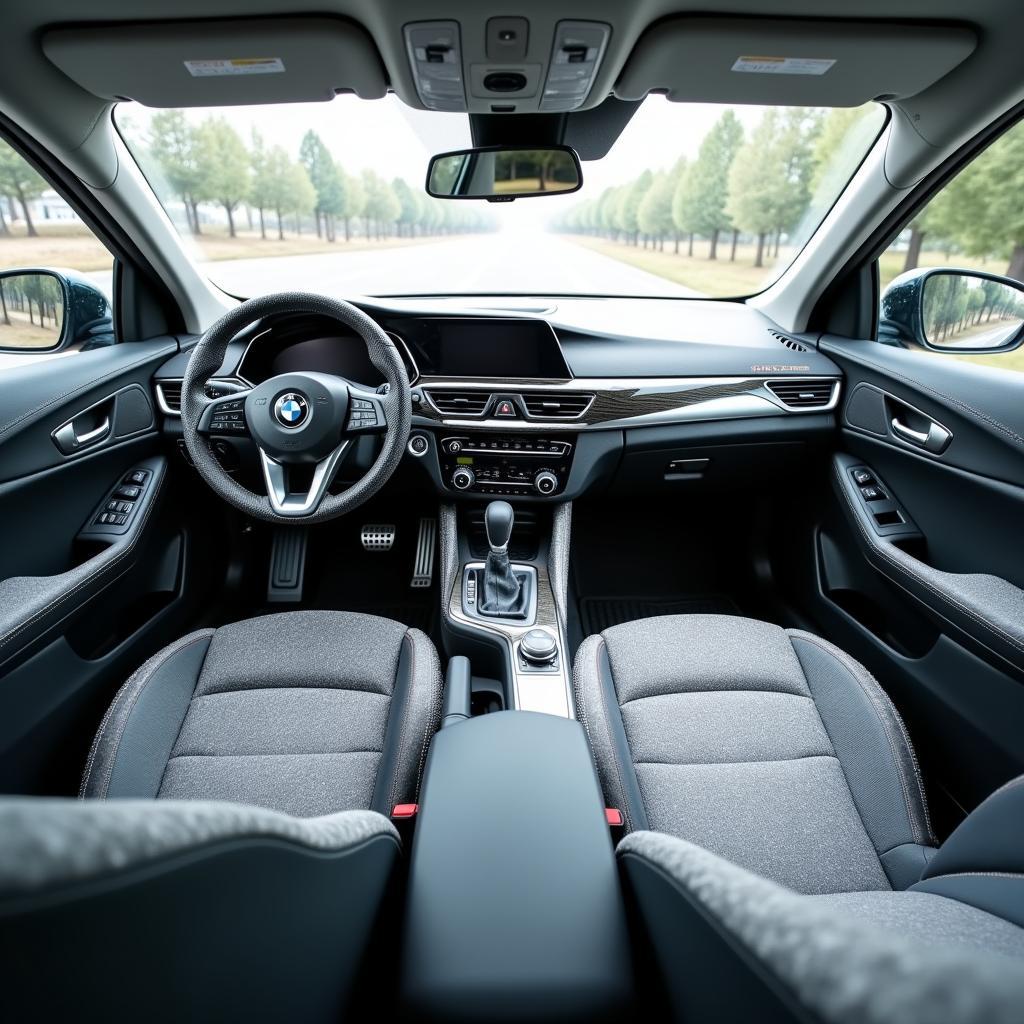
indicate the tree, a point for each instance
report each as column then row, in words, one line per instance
column 769, row 180
column 409, row 206
column 327, row 183
column 984, row 213
column 174, row 145
column 295, row 195
column 654, row 216
column 702, row 195
column 19, row 180
column 382, row 206
column 264, row 179
column 680, row 212
column 353, row 202
column 629, row 205
column 225, row 163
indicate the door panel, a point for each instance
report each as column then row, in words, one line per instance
column 935, row 606
column 81, row 601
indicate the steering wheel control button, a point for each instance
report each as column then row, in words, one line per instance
column 291, row 410
column 418, row 445
column 538, row 648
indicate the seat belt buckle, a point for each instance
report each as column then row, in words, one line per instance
column 616, row 822
column 403, row 817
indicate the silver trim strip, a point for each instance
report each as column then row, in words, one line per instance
column 161, row 399
column 287, row 503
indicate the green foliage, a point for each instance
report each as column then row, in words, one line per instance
column 18, row 180
column 654, row 216
column 700, row 198
column 628, row 206
column 222, row 155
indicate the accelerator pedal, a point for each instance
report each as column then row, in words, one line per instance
column 377, row 536
column 426, row 543
column 287, row 565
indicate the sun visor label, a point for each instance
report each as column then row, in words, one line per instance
column 236, row 66
column 782, row 65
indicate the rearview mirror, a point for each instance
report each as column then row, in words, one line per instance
column 954, row 311
column 47, row 310
column 503, row 173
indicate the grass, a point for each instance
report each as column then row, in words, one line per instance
column 74, row 247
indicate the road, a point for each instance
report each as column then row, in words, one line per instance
column 522, row 264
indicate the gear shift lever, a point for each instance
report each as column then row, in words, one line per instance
column 499, row 518
column 502, row 591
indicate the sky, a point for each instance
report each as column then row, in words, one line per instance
column 396, row 140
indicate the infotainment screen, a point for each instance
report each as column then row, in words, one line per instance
column 488, row 347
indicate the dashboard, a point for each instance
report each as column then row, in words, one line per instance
column 548, row 402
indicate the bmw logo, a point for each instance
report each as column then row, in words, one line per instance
column 291, row 409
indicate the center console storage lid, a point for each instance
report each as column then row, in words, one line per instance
column 514, row 909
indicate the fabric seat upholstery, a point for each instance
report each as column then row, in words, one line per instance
column 769, row 747
column 307, row 713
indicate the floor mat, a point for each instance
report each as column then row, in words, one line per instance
column 598, row 613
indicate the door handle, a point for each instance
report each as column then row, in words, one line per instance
column 934, row 440
column 69, row 440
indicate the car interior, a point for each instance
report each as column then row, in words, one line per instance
column 506, row 635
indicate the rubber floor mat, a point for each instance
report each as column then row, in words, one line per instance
column 598, row 613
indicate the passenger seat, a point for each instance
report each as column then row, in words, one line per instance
column 769, row 747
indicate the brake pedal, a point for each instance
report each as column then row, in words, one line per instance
column 287, row 565
column 426, row 542
column 377, row 536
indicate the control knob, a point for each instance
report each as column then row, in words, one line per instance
column 538, row 647
column 463, row 479
column 545, row 482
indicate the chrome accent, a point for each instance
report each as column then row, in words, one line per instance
column 412, row 451
column 286, row 503
column 377, row 536
column 934, row 440
column 426, row 542
column 827, row 407
column 161, row 400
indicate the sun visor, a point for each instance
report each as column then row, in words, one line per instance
column 790, row 63
column 220, row 63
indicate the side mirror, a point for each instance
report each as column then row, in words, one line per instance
column 500, row 174
column 953, row 311
column 49, row 310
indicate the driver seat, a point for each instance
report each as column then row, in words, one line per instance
column 307, row 713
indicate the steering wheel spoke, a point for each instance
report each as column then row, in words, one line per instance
column 287, row 502
column 365, row 412
column 225, row 416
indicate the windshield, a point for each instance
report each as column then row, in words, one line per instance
column 692, row 200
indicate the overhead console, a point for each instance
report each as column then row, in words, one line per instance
column 517, row 70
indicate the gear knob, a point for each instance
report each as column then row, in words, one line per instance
column 498, row 520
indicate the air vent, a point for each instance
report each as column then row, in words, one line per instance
column 790, row 343
column 803, row 394
column 460, row 403
column 556, row 405
column 168, row 397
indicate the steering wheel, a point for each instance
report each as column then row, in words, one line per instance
column 302, row 423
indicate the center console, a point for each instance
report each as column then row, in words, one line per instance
column 505, row 465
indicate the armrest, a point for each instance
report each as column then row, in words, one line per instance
column 514, row 909
column 31, row 605
column 987, row 610
column 458, row 691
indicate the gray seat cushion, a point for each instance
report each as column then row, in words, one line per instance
column 733, row 946
column 769, row 747
column 307, row 713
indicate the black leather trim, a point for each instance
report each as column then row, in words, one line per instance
column 172, row 929
column 413, row 718
column 1001, row 895
column 153, row 723
column 989, row 839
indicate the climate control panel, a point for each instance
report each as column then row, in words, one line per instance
column 511, row 465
